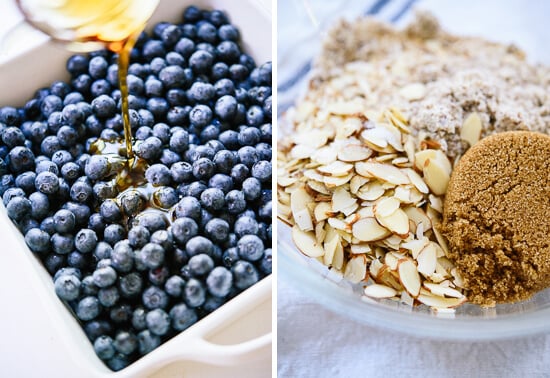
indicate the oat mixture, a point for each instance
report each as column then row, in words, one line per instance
column 366, row 156
column 496, row 217
column 438, row 79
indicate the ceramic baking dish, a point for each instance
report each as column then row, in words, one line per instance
column 236, row 335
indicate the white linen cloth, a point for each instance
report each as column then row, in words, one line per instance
column 315, row 342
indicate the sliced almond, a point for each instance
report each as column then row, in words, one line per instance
column 299, row 199
column 413, row 92
column 336, row 168
column 368, row 229
column 342, row 199
column 330, row 246
column 301, row 151
column 397, row 222
column 427, row 260
column 357, row 249
column 324, row 155
column 337, row 223
column 321, row 231
column 386, row 206
column 471, row 129
column 356, row 183
column 440, row 302
column 409, row 277
column 379, row 291
column 415, row 246
column 356, row 269
column 354, row 152
column 436, row 177
column 306, row 243
column 384, row 172
column 335, row 181
column 417, row 181
column 443, row 291
column 322, row 211
column 371, row 191
column 286, row 180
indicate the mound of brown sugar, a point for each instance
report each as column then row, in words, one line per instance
column 497, row 217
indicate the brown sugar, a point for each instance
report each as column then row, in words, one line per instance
column 497, row 217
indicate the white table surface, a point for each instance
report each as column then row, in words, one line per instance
column 315, row 342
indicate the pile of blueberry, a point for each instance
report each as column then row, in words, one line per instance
column 201, row 113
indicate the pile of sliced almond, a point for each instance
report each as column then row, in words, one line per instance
column 363, row 197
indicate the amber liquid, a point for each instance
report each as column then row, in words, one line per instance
column 86, row 25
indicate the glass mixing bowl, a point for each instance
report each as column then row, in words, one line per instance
column 515, row 23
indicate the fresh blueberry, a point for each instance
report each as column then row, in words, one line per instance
column 81, row 191
column 104, row 277
column 239, row 173
column 113, row 233
column 152, row 49
column 172, row 76
column 18, row 208
column 130, row 285
column 246, row 226
column 158, row 276
column 201, row 61
column 179, row 141
column 97, row 167
column 138, row 318
column 199, row 93
column 235, row 201
column 219, row 281
column 203, row 168
column 217, row 229
column 147, row 341
column 152, row 221
column 67, row 287
column 138, row 236
column 104, row 106
column 199, row 244
column 183, row 229
column 88, row 308
column 182, row 317
column 181, row 172
column 62, row 244
column 174, row 286
column 37, row 240
column 21, row 159
column 70, row 171
column 64, row 221
column 226, row 108
column 158, row 175
column 150, row 149
column 262, row 170
column 154, row 297
column 200, row 264
column 265, row 211
column 228, row 33
column 88, row 287
column 228, row 51
column 250, row 247
column 96, row 328
column 194, row 293
column 244, row 274
column 125, row 342
column 120, row 313
column 122, row 257
column 13, row 136
column 108, row 296
column 118, row 362
column 152, row 255
column 248, row 156
column 104, row 348
column 200, row 115
column 222, row 182
column 249, row 136
column 110, row 211
column 188, row 207
column 158, row 322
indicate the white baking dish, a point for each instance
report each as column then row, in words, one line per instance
column 42, row 338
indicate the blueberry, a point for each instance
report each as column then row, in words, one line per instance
column 158, row 175
column 152, row 221
column 250, row 247
column 252, row 188
column 158, row 106
column 228, row 51
column 200, row 115
column 18, row 208
column 238, row 72
column 152, row 255
column 244, row 274
column 222, row 182
column 12, row 136
column 183, row 229
column 179, row 141
column 11, row 193
column 181, row 172
column 110, row 211
column 130, row 285
column 192, row 14
column 70, row 171
column 219, row 281
column 21, row 159
column 182, row 317
column 108, row 296
column 47, row 225
column 248, row 156
column 219, row 70
column 153, row 48
column 118, row 362
column 131, row 202
column 266, row 262
column 86, row 240
column 239, row 173
column 210, row 133
column 96, row 328
column 37, row 240
column 82, row 83
column 62, row 244
column 96, row 223
column 199, row 92
column 103, row 347
column 154, row 297
column 246, row 226
column 226, row 107
column 207, row 32
column 235, row 201
column 249, row 136
column 199, row 244
column 228, row 33
column 262, row 170
column 264, row 151
column 138, row 318
column 67, row 287
column 172, row 77
column 64, row 221
column 213, row 199
column 98, row 67
column 97, row 167
column 113, row 233
column 200, row 264
column 103, row 190
column 201, row 61
column 147, row 341
column 88, row 308
column 120, row 313
column 143, row 133
column 150, row 149
column 265, row 211
column 194, row 293
column 81, row 191
column 50, row 104
column 138, row 236
column 104, row 277
column 174, row 286
column 88, row 287
column 125, row 342
column 174, row 58
column 217, row 229
column 158, row 322
column 122, row 257
column 104, row 106
column 203, row 168
column 188, row 207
